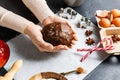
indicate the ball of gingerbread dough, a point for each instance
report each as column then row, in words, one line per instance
column 58, row 34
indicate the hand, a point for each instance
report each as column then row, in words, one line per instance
column 55, row 18
column 34, row 32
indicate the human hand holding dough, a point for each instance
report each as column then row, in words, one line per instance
column 62, row 29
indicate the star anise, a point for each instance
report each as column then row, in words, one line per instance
column 88, row 32
column 90, row 41
column 115, row 38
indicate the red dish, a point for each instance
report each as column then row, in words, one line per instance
column 4, row 53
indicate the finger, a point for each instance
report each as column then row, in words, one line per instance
column 43, row 49
column 66, row 47
column 45, row 45
column 40, row 48
column 59, row 19
column 73, row 42
column 70, row 46
column 75, row 37
column 59, row 48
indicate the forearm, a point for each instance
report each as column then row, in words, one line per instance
column 39, row 8
column 13, row 21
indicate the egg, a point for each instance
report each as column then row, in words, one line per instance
column 105, row 23
column 115, row 12
column 116, row 22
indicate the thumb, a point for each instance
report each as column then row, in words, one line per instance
column 46, row 45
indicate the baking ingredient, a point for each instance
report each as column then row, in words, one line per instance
column 90, row 41
column 115, row 12
column 58, row 34
column 4, row 53
column 105, row 23
column 116, row 22
column 88, row 32
column 115, row 38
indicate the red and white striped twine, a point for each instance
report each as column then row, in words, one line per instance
column 96, row 48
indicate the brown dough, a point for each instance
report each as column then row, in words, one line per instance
column 58, row 34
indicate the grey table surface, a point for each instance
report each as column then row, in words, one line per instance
column 107, row 70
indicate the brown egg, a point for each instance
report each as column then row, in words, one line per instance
column 115, row 12
column 105, row 23
column 116, row 22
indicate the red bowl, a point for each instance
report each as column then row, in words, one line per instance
column 4, row 53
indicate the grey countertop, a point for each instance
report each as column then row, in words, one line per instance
column 109, row 69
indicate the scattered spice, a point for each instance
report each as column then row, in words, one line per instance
column 90, row 41
column 88, row 32
column 115, row 38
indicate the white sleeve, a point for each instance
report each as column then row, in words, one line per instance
column 39, row 8
column 13, row 21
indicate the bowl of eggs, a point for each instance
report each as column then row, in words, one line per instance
column 109, row 24
column 106, row 19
